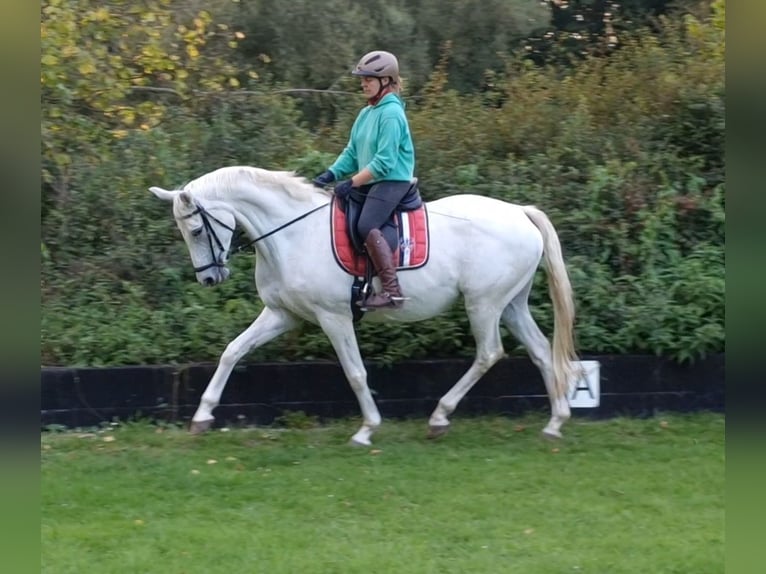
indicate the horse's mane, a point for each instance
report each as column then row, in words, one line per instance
column 221, row 179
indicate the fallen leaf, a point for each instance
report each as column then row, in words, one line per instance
column 108, row 439
column 194, row 471
column 520, row 428
column 212, row 461
column 138, row 522
column 529, row 531
column 664, row 424
column 554, row 450
column 375, row 451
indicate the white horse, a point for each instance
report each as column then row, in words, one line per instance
column 481, row 248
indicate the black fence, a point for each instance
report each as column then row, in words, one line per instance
column 259, row 393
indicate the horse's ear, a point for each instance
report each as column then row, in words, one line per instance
column 186, row 198
column 163, row 194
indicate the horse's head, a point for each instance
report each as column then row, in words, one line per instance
column 207, row 230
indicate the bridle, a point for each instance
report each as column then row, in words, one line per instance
column 212, row 236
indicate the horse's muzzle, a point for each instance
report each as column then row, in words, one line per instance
column 215, row 276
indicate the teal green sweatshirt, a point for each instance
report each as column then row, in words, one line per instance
column 380, row 140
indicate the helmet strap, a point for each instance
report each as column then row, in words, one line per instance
column 382, row 91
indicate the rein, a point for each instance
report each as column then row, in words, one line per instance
column 280, row 228
column 213, row 236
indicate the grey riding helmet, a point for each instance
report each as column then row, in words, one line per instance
column 378, row 64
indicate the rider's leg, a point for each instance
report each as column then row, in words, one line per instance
column 380, row 203
column 382, row 259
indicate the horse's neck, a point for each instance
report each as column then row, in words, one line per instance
column 260, row 208
column 255, row 204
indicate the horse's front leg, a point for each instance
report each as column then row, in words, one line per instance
column 340, row 330
column 269, row 324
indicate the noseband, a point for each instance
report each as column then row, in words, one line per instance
column 211, row 236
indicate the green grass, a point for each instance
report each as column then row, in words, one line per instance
column 616, row 496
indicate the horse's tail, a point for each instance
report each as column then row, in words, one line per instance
column 563, row 302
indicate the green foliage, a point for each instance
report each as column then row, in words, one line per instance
column 297, row 420
column 310, row 45
column 625, row 154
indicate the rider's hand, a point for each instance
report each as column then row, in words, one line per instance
column 343, row 189
column 325, row 179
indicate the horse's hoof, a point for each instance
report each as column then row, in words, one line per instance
column 199, row 427
column 437, row 431
column 551, row 434
column 355, row 442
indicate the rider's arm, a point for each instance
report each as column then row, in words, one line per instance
column 386, row 149
column 363, row 177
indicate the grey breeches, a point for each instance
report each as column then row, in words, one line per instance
column 381, row 201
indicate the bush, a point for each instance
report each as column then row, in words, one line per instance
column 624, row 153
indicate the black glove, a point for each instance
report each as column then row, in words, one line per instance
column 325, row 179
column 343, row 189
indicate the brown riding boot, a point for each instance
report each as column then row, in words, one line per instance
column 382, row 259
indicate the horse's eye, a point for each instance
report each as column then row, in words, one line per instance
column 196, row 232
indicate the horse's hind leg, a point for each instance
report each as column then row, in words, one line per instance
column 489, row 350
column 268, row 325
column 517, row 318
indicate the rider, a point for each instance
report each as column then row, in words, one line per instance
column 380, row 160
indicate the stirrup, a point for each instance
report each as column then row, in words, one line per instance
column 394, row 302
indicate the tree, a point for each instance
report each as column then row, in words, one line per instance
column 99, row 62
column 480, row 33
column 590, row 27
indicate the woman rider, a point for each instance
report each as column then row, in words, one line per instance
column 379, row 160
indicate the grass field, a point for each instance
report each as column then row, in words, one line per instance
column 615, row 496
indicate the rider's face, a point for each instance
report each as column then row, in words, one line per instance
column 370, row 86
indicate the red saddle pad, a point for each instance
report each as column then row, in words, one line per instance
column 412, row 246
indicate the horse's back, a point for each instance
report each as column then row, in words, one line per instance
column 485, row 241
column 484, row 217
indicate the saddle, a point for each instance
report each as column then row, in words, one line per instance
column 352, row 208
column 406, row 233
